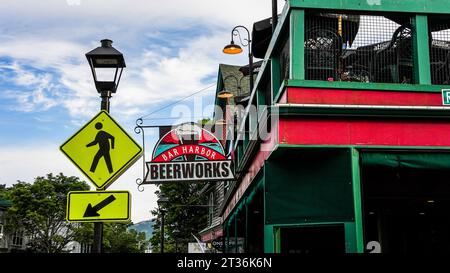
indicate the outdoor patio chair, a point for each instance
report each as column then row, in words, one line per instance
column 323, row 49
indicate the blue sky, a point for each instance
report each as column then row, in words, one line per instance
column 172, row 49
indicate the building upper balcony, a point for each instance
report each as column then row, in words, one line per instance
column 380, row 57
column 356, row 44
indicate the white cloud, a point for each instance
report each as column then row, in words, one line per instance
column 153, row 75
column 149, row 78
column 156, row 13
column 41, row 52
column 35, row 92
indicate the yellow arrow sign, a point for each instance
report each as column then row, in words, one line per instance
column 98, row 206
column 102, row 150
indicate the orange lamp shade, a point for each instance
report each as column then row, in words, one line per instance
column 224, row 94
column 232, row 48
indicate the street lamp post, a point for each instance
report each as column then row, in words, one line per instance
column 233, row 48
column 163, row 212
column 175, row 234
column 106, row 64
column 162, row 200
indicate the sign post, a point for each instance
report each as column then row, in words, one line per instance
column 102, row 150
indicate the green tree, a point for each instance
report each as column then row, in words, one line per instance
column 118, row 238
column 39, row 210
column 184, row 212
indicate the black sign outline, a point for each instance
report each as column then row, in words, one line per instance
column 90, row 220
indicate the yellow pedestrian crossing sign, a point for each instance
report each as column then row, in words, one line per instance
column 98, row 206
column 102, row 150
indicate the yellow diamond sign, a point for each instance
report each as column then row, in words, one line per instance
column 98, row 206
column 102, row 150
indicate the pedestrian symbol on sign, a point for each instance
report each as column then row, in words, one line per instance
column 102, row 139
column 102, row 150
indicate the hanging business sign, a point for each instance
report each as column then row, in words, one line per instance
column 188, row 153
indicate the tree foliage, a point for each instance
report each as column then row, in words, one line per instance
column 118, row 238
column 39, row 210
column 185, row 212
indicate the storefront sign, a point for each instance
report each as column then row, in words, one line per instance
column 188, row 153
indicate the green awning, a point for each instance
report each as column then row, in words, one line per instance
column 414, row 160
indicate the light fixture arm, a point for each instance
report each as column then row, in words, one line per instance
column 235, row 32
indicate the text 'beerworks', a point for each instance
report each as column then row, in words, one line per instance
column 189, row 171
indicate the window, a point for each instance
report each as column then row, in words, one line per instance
column 17, row 238
column 358, row 48
column 285, row 59
column 439, row 39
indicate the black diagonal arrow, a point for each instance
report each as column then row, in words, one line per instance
column 92, row 211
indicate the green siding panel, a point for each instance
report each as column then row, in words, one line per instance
column 350, row 238
column 297, row 48
column 357, row 201
column 422, row 74
column 269, row 239
column 413, row 160
column 309, row 186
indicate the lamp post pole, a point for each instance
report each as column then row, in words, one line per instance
column 105, row 95
column 162, row 200
column 250, row 54
column 274, row 14
column 232, row 48
column 175, row 234
column 162, row 230
column 250, row 65
column 101, row 58
column 98, row 226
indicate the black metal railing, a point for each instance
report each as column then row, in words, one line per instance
column 358, row 48
column 439, row 38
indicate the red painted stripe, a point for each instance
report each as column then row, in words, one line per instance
column 362, row 97
column 364, row 132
